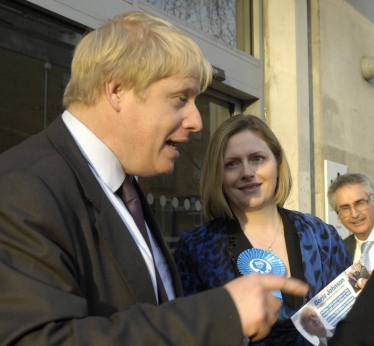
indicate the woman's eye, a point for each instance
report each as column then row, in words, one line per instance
column 183, row 99
column 258, row 159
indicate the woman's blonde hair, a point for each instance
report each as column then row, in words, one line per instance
column 134, row 49
column 211, row 184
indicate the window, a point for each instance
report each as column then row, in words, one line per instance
column 228, row 20
column 35, row 58
column 198, row 165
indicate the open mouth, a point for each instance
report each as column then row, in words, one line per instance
column 250, row 186
column 172, row 144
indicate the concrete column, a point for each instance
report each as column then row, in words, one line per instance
column 287, row 90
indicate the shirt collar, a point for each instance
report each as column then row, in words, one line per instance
column 101, row 159
column 370, row 238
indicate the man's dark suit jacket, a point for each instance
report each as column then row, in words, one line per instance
column 350, row 244
column 71, row 273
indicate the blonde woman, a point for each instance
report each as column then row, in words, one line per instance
column 244, row 185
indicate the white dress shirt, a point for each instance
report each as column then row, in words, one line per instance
column 110, row 174
column 358, row 250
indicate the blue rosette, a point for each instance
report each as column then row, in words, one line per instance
column 258, row 261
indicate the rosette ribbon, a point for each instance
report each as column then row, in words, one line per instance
column 258, row 261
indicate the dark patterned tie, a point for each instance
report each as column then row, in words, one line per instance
column 365, row 256
column 131, row 200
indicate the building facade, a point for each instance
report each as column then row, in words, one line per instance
column 294, row 63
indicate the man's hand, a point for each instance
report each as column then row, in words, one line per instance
column 361, row 282
column 257, row 307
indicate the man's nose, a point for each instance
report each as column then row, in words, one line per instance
column 193, row 121
column 354, row 212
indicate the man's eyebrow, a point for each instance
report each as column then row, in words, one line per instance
column 347, row 204
column 187, row 87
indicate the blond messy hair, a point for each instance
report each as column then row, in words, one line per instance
column 304, row 314
column 133, row 49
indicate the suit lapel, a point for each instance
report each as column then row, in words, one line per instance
column 61, row 138
column 125, row 253
column 350, row 244
column 117, row 238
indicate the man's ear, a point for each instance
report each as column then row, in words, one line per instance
column 340, row 221
column 113, row 92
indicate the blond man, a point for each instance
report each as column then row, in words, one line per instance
column 79, row 265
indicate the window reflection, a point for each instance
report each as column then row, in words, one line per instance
column 227, row 20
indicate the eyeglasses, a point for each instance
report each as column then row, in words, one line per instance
column 359, row 206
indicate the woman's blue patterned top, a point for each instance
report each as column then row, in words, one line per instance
column 204, row 263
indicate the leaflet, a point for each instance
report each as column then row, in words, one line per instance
column 317, row 320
